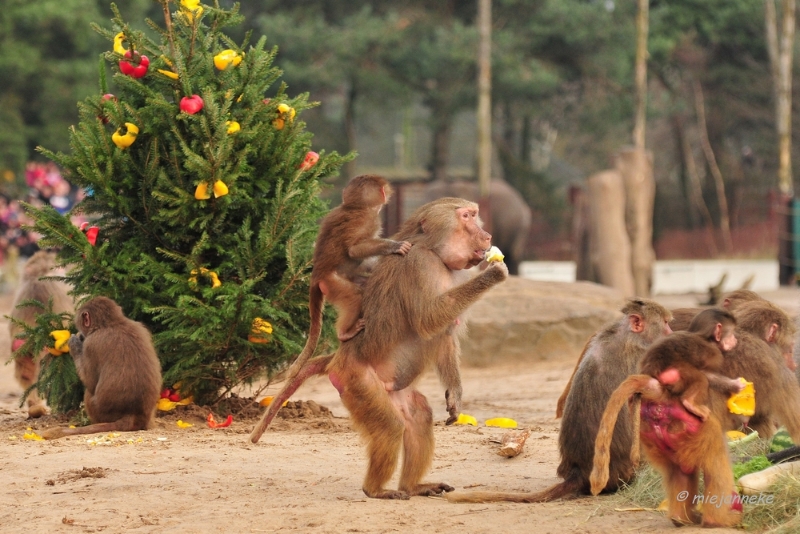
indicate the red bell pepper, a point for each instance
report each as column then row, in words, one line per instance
column 134, row 70
column 212, row 423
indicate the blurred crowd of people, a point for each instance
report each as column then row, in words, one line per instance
column 45, row 186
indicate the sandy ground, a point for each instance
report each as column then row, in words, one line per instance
column 305, row 474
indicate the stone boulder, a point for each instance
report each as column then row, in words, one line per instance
column 523, row 321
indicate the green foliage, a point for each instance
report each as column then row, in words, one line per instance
column 159, row 248
column 752, row 465
column 46, row 65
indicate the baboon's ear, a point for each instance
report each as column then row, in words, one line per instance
column 637, row 323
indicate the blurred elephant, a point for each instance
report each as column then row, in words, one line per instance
column 510, row 215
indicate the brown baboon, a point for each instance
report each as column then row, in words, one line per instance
column 410, row 306
column 769, row 322
column 686, row 362
column 681, row 317
column 26, row 366
column 610, row 356
column 117, row 363
column 348, row 237
column 676, row 442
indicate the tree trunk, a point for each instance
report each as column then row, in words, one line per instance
column 695, row 191
column 441, row 145
column 642, row 28
column 722, row 199
column 635, row 166
column 350, row 128
column 780, row 58
column 484, row 112
column 610, row 247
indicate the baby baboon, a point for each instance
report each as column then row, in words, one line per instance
column 348, row 237
column 26, row 366
column 117, row 363
column 677, row 443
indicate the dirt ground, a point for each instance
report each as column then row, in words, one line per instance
column 305, row 474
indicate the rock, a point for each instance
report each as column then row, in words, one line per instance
column 522, row 321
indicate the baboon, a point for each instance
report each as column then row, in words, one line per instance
column 770, row 323
column 410, row 306
column 348, row 237
column 681, row 317
column 677, row 443
column 26, row 366
column 117, row 363
column 610, row 356
column 685, row 363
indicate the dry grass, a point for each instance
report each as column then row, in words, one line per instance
column 779, row 513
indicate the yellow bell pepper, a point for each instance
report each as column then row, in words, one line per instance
column 258, row 330
column 61, row 345
column 124, row 140
column 233, row 127
column 744, row 402
column 501, row 422
column 118, row 40
column 169, row 73
column 464, row 419
column 227, row 58
column 220, row 189
column 192, row 9
column 201, row 193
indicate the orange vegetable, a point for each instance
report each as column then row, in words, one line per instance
column 212, row 423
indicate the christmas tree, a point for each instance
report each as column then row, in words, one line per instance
column 202, row 193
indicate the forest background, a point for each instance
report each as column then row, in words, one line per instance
column 396, row 83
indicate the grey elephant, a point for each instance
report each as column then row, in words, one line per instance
column 510, row 215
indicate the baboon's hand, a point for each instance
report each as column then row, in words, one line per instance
column 497, row 270
column 401, row 247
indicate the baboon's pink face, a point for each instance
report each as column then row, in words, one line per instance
column 467, row 245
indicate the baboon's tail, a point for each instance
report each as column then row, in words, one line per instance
column 315, row 303
column 571, row 488
column 316, row 366
column 602, row 446
column 128, row 423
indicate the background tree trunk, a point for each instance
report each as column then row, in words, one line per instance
column 610, row 247
column 722, row 199
column 635, row 167
column 484, row 112
column 642, row 27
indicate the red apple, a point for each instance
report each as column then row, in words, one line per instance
column 175, row 397
column 191, row 104
column 165, row 393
